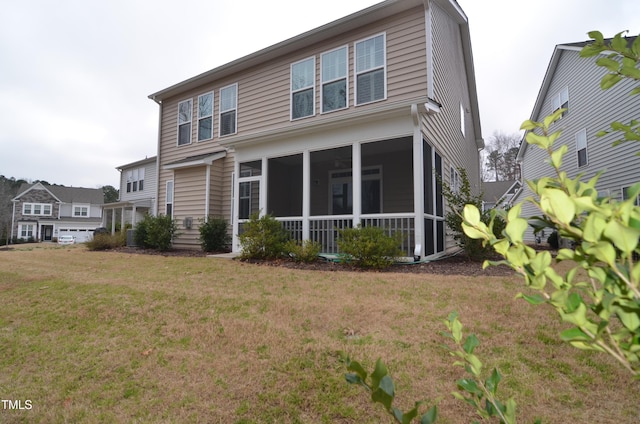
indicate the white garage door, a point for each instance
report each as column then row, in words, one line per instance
column 81, row 234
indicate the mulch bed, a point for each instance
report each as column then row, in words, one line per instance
column 458, row 264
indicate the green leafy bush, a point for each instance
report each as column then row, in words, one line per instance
column 155, row 232
column 478, row 389
column 263, row 238
column 306, row 251
column 214, row 235
column 369, row 247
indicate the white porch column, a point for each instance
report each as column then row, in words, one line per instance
column 133, row 215
column 306, row 193
column 113, row 221
column 356, row 176
column 264, row 180
column 418, row 183
column 122, row 220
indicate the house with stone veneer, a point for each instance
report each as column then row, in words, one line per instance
column 347, row 124
column 43, row 212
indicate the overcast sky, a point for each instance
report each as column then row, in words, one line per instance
column 75, row 74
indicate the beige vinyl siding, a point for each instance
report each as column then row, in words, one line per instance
column 189, row 201
column 592, row 109
column 450, row 90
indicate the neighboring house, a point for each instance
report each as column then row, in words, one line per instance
column 499, row 193
column 138, row 190
column 45, row 212
column 343, row 125
column 573, row 83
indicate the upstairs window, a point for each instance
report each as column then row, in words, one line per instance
column 81, row 211
column 581, row 148
column 184, row 122
column 205, row 117
column 371, row 69
column 38, row 209
column 228, row 109
column 561, row 101
column 334, row 79
column 135, row 180
column 303, row 76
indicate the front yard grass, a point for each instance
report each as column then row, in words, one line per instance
column 112, row 337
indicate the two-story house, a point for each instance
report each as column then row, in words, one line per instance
column 45, row 212
column 573, row 83
column 344, row 125
column 137, row 195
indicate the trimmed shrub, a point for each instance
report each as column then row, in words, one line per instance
column 107, row 241
column 369, row 247
column 155, row 232
column 214, row 235
column 263, row 238
column 306, row 251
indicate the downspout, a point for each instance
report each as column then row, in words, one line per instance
column 157, row 199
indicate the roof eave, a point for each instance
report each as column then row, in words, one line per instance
column 360, row 18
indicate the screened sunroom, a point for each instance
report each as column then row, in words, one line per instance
column 388, row 183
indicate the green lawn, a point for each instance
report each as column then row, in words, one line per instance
column 111, row 337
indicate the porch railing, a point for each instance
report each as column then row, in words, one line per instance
column 325, row 230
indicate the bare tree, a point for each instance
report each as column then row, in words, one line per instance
column 500, row 157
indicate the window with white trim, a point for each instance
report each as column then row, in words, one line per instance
column 185, row 110
column 370, row 69
column 169, row 199
column 205, row 116
column 81, row 211
column 26, row 230
column 561, row 101
column 135, row 180
column 303, row 77
column 335, row 84
column 37, row 209
column 228, row 109
column 581, row 147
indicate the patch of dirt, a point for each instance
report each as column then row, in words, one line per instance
column 452, row 265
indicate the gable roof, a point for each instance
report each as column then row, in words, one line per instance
column 548, row 77
column 494, row 191
column 361, row 18
column 137, row 163
column 63, row 194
